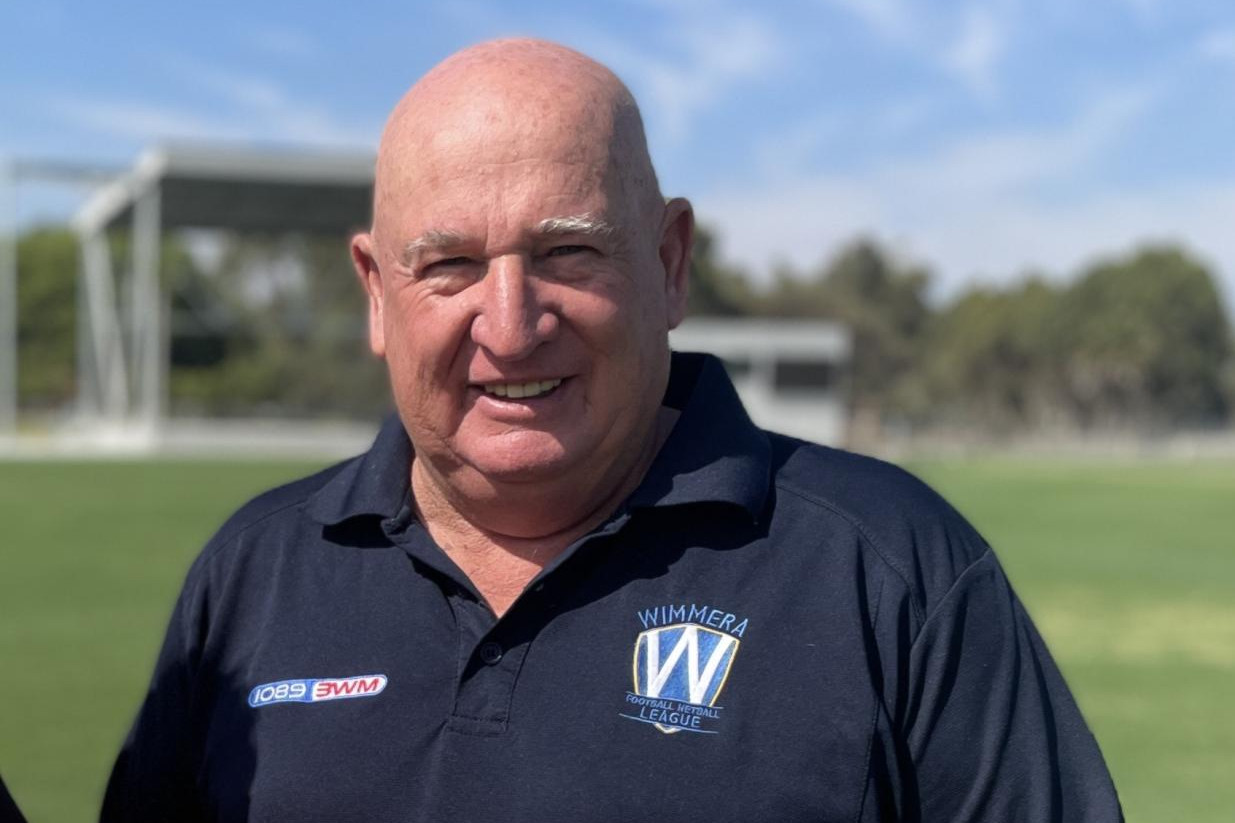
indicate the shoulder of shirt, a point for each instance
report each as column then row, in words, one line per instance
column 267, row 506
column 900, row 520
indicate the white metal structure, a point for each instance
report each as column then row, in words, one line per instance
column 123, row 355
column 789, row 373
column 12, row 174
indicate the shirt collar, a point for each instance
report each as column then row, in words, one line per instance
column 713, row 455
column 375, row 483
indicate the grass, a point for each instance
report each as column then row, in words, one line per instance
column 91, row 559
column 1128, row 568
column 1129, row 571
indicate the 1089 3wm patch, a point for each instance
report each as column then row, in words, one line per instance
column 317, row 690
column 680, row 667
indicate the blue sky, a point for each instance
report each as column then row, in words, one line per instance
column 983, row 138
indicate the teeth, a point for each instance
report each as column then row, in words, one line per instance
column 518, row 391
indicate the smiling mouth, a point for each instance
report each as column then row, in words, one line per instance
column 521, row 391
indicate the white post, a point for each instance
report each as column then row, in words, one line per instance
column 8, row 303
column 89, row 383
column 147, row 327
column 105, row 327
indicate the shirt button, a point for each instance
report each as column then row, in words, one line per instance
column 490, row 652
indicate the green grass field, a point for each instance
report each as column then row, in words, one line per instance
column 1128, row 568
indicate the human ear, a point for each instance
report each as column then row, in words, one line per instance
column 677, row 237
column 364, row 260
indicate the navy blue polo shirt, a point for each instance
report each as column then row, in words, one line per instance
column 766, row 630
column 9, row 813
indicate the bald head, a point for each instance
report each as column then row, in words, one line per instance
column 509, row 101
column 520, row 244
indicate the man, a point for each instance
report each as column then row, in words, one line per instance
column 571, row 581
column 9, row 813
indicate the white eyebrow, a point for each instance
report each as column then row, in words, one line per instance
column 431, row 240
column 585, row 225
column 580, row 224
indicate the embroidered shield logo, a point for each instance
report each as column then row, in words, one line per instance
column 683, row 668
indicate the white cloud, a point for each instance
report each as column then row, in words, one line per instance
column 281, row 42
column 993, row 240
column 277, row 114
column 791, row 149
column 972, row 209
column 1145, row 11
column 1008, row 236
column 715, row 57
column 686, row 58
column 249, row 91
column 802, row 145
column 275, row 120
column 238, row 106
column 906, row 114
column 795, row 222
column 975, row 53
column 139, row 120
column 709, row 56
column 890, row 19
column 969, row 46
column 983, row 165
column 1218, row 45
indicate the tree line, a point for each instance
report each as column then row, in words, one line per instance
column 1135, row 343
column 275, row 325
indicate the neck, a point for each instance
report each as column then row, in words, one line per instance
column 504, row 537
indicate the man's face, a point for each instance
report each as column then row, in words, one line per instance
column 522, row 307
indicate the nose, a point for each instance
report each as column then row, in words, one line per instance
column 512, row 320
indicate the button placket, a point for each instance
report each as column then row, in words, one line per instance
column 491, row 652
column 482, row 702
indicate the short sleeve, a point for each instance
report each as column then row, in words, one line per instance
column 991, row 728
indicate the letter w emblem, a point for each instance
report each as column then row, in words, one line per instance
column 685, row 662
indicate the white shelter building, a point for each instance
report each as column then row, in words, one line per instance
column 124, row 357
column 790, row 374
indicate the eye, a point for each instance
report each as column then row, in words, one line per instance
column 562, row 251
column 450, row 267
column 451, row 261
column 450, row 274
